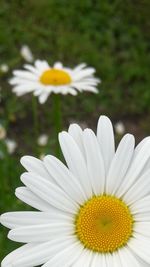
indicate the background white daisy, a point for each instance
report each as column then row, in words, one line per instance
column 42, row 80
column 59, row 233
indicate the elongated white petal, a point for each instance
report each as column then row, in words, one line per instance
column 120, row 163
column 136, row 168
column 25, row 75
column 142, row 217
column 140, row 145
column 49, row 192
column 95, row 163
column 83, row 74
column 25, row 249
column 99, row 259
column 20, row 81
column 41, row 65
column 27, row 196
column 41, row 233
column 64, row 178
column 77, row 134
column 66, row 256
column 84, row 259
column 79, row 67
column 109, row 259
column 36, row 166
column 116, row 259
column 128, row 258
column 22, row 88
column 32, row 69
column 43, row 97
column 140, row 246
column 36, row 254
column 139, row 189
column 142, row 228
column 105, row 137
column 27, row 218
column 75, row 161
column 141, row 206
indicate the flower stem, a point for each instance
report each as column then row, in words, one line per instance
column 57, row 120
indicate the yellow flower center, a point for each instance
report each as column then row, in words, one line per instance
column 55, row 77
column 104, row 224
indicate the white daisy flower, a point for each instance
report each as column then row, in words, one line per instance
column 94, row 213
column 42, row 80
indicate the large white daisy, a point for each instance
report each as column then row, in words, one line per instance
column 42, row 80
column 94, row 213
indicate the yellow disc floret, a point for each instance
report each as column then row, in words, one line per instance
column 104, row 224
column 55, row 77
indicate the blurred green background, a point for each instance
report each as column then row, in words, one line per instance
column 112, row 36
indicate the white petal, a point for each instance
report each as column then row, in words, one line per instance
column 116, row 260
column 36, row 254
column 21, row 81
column 99, row 260
column 77, row 134
column 27, row 196
column 84, row 87
column 87, row 81
column 85, row 259
column 139, row 189
column 67, row 256
column 95, row 162
column 140, row 246
column 142, row 217
column 75, row 161
column 49, row 192
column 43, row 97
column 141, row 206
column 142, row 263
column 140, row 145
column 136, row 168
column 109, row 259
column 24, row 88
column 120, row 163
column 142, row 228
column 19, row 219
column 64, row 178
column 41, row 233
column 42, row 65
column 83, row 74
column 36, row 166
column 105, row 137
column 79, row 67
column 58, row 65
column 71, row 91
column 8, row 260
column 25, row 75
column 32, row 69
column 127, row 258
column 91, row 89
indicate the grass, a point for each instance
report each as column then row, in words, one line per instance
column 112, row 36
